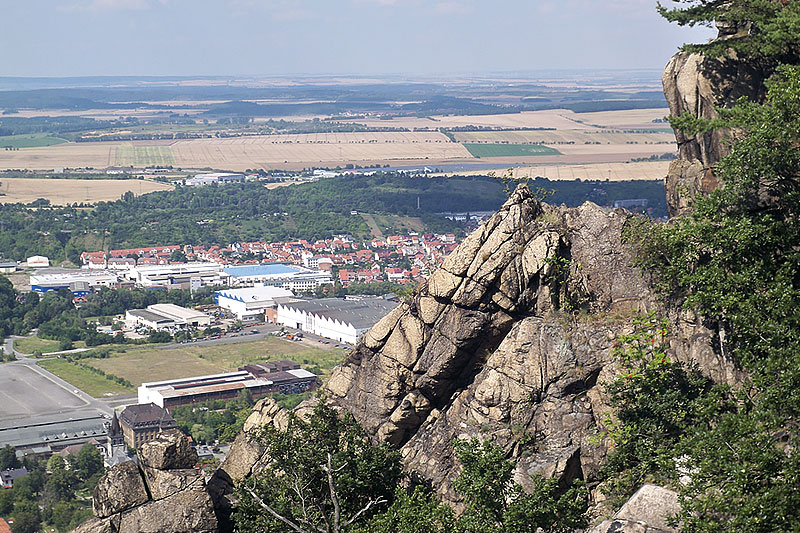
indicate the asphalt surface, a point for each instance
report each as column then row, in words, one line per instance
column 28, row 392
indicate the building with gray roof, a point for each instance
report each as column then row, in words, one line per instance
column 334, row 318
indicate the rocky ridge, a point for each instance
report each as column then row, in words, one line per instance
column 510, row 340
column 163, row 493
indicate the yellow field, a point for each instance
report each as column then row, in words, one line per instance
column 575, row 136
column 565, row 136
column 649, row 170
column 67, row 191
column 314, row 149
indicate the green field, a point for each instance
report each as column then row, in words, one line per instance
column 509, row 150
column 29, row 345
column 142, row 365
column 128, row 154
column 85, row 380
column 32, row 140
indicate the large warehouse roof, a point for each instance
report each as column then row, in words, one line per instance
column 360, row 314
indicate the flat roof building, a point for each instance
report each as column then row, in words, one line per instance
column 161, row 317
column 341, row 320
column 178, row 276
column 52, row 433
column 292, row 277
column 259, row 379
column 79, row 282
column 249, row 303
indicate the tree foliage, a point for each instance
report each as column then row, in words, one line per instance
column 768, row 29
column 324, row 475
column 736, row 261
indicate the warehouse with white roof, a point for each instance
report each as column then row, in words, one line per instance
column 250, row 303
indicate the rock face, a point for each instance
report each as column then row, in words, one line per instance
column 491, row 347
column 698, row 85
column 163, row 493
column 646, row 512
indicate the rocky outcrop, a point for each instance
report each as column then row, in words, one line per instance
column 162, row 493
column 510, row 340
column 647, row 511
column 698, row 85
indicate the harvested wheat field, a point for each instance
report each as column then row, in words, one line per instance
column 67, row 191
column 646, row 170
column 241, row 153
column 593, row 136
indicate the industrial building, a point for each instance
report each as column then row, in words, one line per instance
column 333, row 318
column 250, row 303
column 181, row 276
column 53, row 433
column 261, row 379
column 163, row 317
column 292, row 277
column 217, row 177
column 80, row 282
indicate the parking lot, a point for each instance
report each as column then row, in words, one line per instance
column 24, row 392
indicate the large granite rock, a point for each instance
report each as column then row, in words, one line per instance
column 167, row 452
column 647, row 511
column 162, row 493
column 122, row 488
column 510, row 340
column 698, row 85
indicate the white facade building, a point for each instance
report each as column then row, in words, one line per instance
column 249, row 303
column 173, row 276
column 341, row 320
column 166, row 317
column 292, row 277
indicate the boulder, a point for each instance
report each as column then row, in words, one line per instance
column 186, row 511
column 645, row 512
column 119, row 489
column 167, row 452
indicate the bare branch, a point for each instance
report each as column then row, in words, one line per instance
column 364, row 510
column 334, row 497
column 271, row 511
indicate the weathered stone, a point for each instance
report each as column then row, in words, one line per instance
column 698, row 85
column 645, row 512
column 165, row 483
column 168, row 451
column 99, row 525
column 119, row 489
column 187, row 511
column 651, row 505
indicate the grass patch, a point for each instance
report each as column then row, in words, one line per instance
column 143, row 365
column 128, row 154
column 29, row 345
column 509, row 150
column 34, row 140
column 83, row 379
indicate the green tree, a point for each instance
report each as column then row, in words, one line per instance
column 324, row 475
column 8, row 458
column 494, row 503
column 87, row 462
column 761, row 29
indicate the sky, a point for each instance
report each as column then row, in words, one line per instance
column 285, row 37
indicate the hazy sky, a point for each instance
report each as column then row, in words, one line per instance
column 264, row 37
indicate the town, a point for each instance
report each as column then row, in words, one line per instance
column 325, row 293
